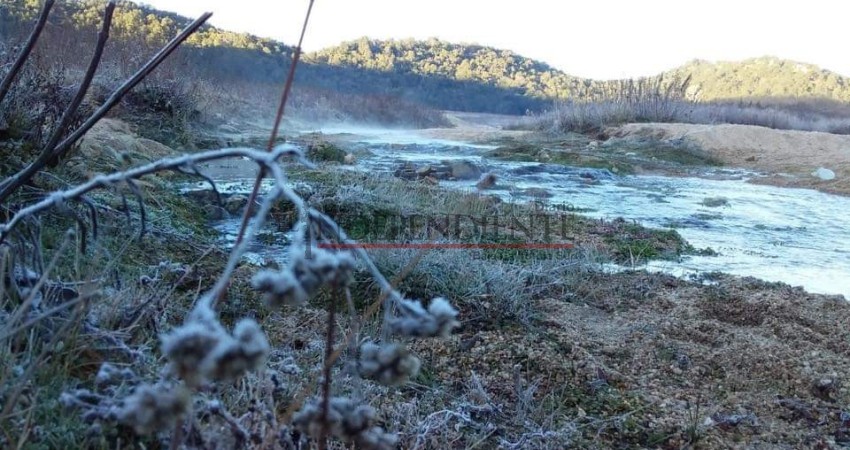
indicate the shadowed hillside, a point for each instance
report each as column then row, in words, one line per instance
column 433, row 73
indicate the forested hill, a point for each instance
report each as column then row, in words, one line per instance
column 434, row 57
column 222, row 55
column 756, row 77
column 435, row 73
column 763, row 77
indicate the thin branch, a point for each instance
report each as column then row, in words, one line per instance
column 122, row 90
column 54, row 151
column 71, row 111
column 92, row 215
column 25, row 52
column 134, row 188
column 192, row 170
column 168, row 164
column 284, row 98
column 326, row 372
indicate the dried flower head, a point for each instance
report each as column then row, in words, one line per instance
column 188, row 346
column 319, row 266
column 347, row 420
column 307, row 271
column 202, row 350
column 389, row 364
column 233, row 357
column 438, row 321
column 154, row 408
column 110, row 375
column 279, row 288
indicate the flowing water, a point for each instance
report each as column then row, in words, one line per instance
column 797, row 236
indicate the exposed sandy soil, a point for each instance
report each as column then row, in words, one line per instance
column 112, row 145
column 476, row 127
column 787, row 157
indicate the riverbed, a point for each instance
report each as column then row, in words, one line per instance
column 797, row 236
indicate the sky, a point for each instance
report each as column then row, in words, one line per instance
column 600, row 39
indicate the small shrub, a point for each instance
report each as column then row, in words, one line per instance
column 164, row 110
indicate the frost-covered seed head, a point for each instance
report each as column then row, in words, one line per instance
column 389, row 364
column 110, row 375
column 233, row 357
column 347, row 420
column 279, row 288
column 438, row 321
column 154, row 408
column 319, row 267
column 376, row 438
column 303, row 276
column 188, row 346
column 444, row 315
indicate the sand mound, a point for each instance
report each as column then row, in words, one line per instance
column 790, row 156
column 111, row 145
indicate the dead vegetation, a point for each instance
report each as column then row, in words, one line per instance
column 671, row 100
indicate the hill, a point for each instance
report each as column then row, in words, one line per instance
column 433, row 73
column 233, row 58
column 464, row 62
column 762, row 78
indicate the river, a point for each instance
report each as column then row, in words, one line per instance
column 797, row 236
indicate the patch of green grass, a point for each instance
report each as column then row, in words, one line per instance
column 634, row 243
column 565, row 154
column 324, row 151
column 677, row 151
column 600, row 402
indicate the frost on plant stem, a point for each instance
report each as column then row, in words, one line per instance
column 346, row 420
column 389, row 364
column 438, row 321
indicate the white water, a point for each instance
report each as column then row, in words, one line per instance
column 800, row 237
column 797, row 236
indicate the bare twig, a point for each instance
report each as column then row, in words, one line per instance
column 71, row 111
column 326, row 372
column 276, row 129
column 134, row 188
column 263, row 158
column 122, row 90
column 26, row 50
column 55, row 151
